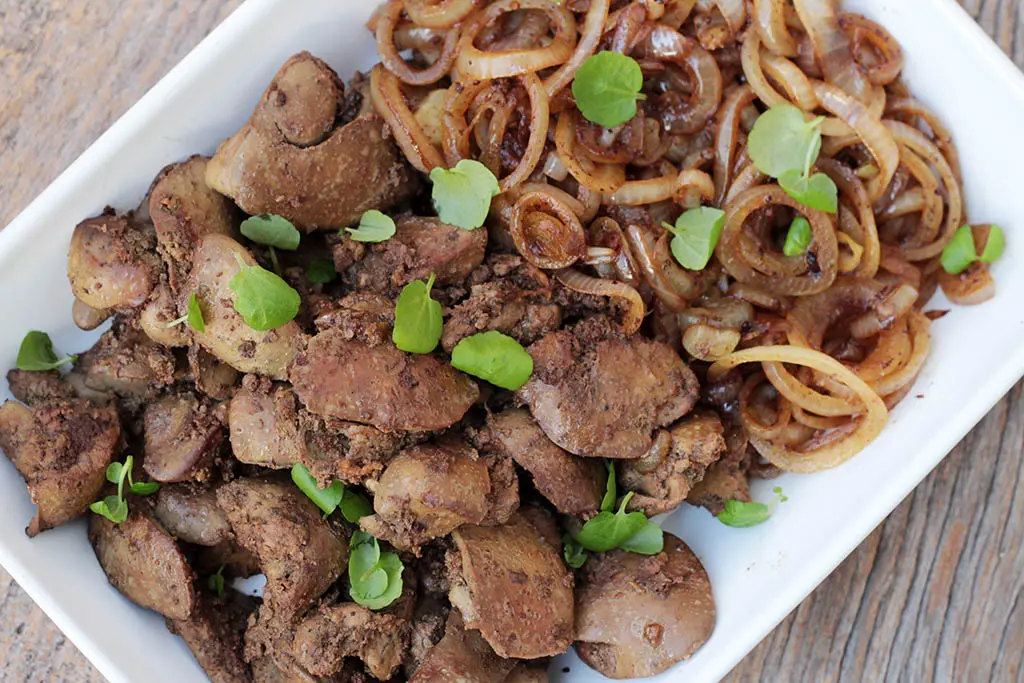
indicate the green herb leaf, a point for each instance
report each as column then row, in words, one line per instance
column 195, row 314
column 958, row 254
column 393, row 567
column 215, row 582
column 495, row 357
column 783, row 140
column 648, row 541
column 798, row 238
column 606, row 88
column 272, row 230
column 113, row 508
column 144, row 488
column 696, row 233
column 36, row 353
column 375, row 578
column 322, row 271
column 116, row 472
column 607, row 531
column 741, row 515
column 995, row 246
column 574, row 554
column 817, row 191
column 263, row 299
column 462, row 195
column 355, row 506
column 610, row 492
column 326, row 499
column 374, row 226
column 418, row 321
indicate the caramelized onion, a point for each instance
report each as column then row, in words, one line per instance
column 814, row 272
column 387, row 22
column 389, row 101
column 862, row 30
column 438, row 13
column 602, row 178
column 832, row 447
column 546, row 231
column 670, row 282
column 479, row 65
column 590, row 36
column 771, row 24
column 578, row 282
column 868, row 128
column 832, row 47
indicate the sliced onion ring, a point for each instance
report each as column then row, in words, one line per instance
column 578, row 282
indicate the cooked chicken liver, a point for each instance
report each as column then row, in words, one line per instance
column 379, row 385
column 574, row 485
column 421, row 246
column 143, row 562
column 636, row 615
column 62, row 448
column 290, row 160
column 505, row 576
column 299, row 551
column 600, row 394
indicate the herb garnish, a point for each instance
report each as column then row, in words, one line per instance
column 609, row 530
column 784, row 145
column 607, row 87
column 215, row 582
column 494, row 357
column 321, row 271
column 418, row 321
column 375, row 578
column 273, row 231
column 798, row 238
column 263, row 299
column 193, row 315
column 462, row 195
column 36, row 353
column 326, row 499
column 115, row 508
column 741, row 515
column 374, row 226
column 695, row 235
column 961, row 252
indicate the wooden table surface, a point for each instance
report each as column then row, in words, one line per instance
column 933, row 594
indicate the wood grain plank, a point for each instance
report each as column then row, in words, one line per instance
column 935, row 593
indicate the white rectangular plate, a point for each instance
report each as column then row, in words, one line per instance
column 758, row 574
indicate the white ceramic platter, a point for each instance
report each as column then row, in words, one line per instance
column 758, row 574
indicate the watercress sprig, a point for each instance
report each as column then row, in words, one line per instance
column 494, row 357
column 418, row 321
column 695, row 235
column 115, row 508
column 741, row 515
column 961, row 252
column 783, row 144
column 36, row 353
column 462, row 195
column 353, row 504
column 263, row 299
column 607, row 87
column 375, row 578
column 193, row 315
column 374, row 226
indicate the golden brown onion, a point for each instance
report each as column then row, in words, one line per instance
column 749, row 260
column 474, row 63
column 578, row 282
column 546, row 231
column 387, row 23
column 389, row 101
